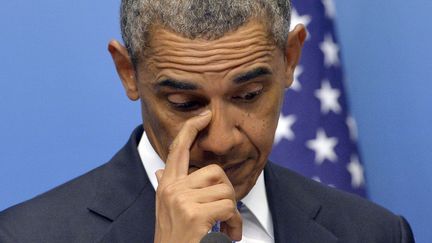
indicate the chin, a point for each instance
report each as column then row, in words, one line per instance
column 242, row 190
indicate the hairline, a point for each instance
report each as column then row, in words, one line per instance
column 145, row 54
column 139, row 17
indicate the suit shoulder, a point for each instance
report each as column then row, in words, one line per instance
column 62, row 205
column 80, row 189
column 326, row 195
column 344, row 213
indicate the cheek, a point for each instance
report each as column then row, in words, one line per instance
column 163, row 125
column 260, row 125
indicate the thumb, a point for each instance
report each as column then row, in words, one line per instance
column 233, row 226
column 159, row 174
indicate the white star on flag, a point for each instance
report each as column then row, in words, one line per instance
column 352, row 127
column 328, row 98
column 296, row 85
column 330, row 50
column 297, row 19
column 330, row 8
column 284, row 128
column 356, row 171
column 323, row 146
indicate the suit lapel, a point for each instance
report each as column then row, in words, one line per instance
column 293, row 210
column 125, row 196
column 136, row 224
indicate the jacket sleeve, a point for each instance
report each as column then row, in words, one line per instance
column 406, row 235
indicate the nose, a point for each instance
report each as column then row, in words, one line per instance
column 222, row 135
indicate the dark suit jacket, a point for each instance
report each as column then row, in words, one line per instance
column 116, row 203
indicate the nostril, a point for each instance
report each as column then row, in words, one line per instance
column 216, row 147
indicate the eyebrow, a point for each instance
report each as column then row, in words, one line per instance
column 240, row 79
column 176, row 84
column 255, row 73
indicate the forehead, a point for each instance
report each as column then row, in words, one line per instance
column 249, row 45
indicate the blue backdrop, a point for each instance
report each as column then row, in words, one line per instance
column 63, row 111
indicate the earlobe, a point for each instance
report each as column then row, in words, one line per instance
column 293, row 49
column 125, row 68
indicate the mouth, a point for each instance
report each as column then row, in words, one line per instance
column 229, row 168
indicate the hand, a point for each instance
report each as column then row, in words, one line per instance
column 187, row 206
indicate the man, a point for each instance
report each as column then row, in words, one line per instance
column 210, row 76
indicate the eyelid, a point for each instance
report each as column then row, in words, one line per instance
column 249, row 96
column 185, row 102
column 253, row 87
column 182, row 98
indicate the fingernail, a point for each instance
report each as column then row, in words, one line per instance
column 205, row 113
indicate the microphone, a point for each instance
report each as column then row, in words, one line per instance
column 215, row 237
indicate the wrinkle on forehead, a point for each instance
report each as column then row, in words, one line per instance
column 250, row 43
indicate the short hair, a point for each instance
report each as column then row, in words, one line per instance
column 207, row 19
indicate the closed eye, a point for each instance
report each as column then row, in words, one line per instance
column 186, row 106
column 187, row 102
column 248, row 96
column 183, row 102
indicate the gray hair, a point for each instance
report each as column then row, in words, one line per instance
column 208, row 19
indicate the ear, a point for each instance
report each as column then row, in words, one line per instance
column 293, row 49
column 125, row 68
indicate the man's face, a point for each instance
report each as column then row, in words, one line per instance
column 240, row 77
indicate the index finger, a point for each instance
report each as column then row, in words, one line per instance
column 177, row 162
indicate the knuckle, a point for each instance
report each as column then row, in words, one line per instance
column 232, row 205
column 229, row 207
column 220, row 173
column 229, row 204
column 227, row 190
column 191, row 214
column 168, row 191
column 180, row 200
column 216, row 169
column 214, row 173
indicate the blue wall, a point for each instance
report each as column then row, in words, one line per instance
column 387, row 54
column 63, row 111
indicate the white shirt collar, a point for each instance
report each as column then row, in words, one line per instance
column 150, row 159
column 255, row 200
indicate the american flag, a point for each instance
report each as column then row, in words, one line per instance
column 316, row 135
